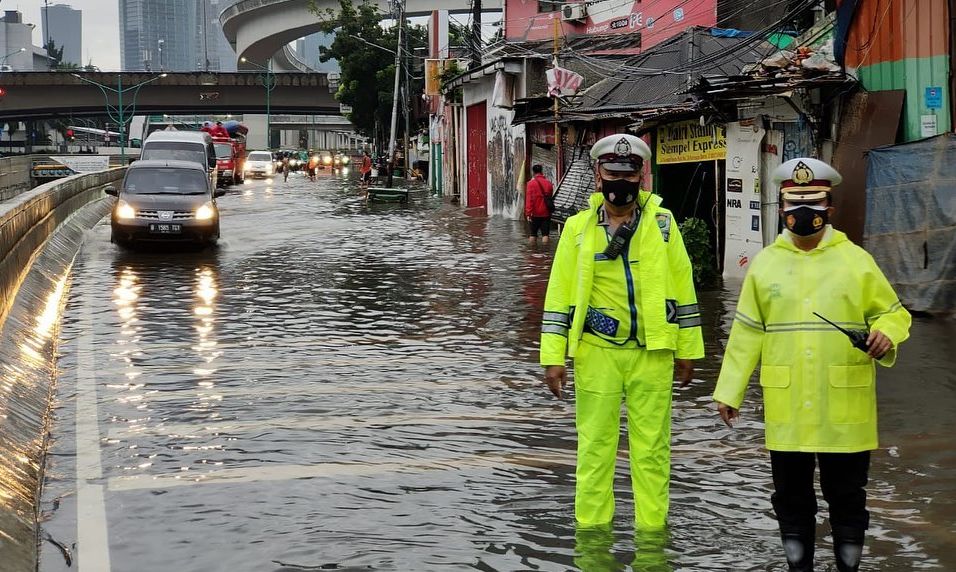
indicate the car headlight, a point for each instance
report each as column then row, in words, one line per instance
column 246, row 167
column 327, row 160
column 206, row 212
column 124, row 211
column 345, row 160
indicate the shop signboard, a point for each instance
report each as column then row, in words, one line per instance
column 689, row 141
column 743, row 234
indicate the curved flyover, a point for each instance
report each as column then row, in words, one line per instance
column 258, row 29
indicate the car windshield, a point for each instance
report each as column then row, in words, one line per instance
column 223, row 151
column 260, row 156
column 165, row 181
column 175, row 151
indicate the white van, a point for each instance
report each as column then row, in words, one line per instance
column 259, row 164
column 194, row 146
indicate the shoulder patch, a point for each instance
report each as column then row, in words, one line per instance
column 664, row 223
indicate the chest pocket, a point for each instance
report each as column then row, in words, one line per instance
column 600, row 323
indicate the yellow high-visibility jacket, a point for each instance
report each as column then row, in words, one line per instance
column 662, row 297
column 819, row 391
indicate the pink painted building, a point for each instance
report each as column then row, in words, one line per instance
column 655, row 20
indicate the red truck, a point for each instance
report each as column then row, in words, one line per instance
column 231, row 159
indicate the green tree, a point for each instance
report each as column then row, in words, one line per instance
column 367, row 72
column 56, row 54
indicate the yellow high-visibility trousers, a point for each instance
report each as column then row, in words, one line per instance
column 643, row 379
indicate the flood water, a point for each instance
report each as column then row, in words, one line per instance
column 348, row 387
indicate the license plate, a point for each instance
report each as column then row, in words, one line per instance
column 162, row 228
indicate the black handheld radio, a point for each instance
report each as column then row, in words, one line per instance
column 857, row 337
column 618, row 242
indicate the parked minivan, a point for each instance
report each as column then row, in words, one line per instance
column 165, row 201
column 196, row 146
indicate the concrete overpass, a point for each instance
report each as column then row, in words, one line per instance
column 258, row 29
column 46, row 95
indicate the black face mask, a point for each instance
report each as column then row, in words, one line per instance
column 619, row 192
column 805, row 220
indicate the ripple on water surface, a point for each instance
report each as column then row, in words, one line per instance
column 352, row 387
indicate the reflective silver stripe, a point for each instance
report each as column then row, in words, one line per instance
column 689, row 322
column 747, row 321
column 559, row 317
column 554, row 329
column 896, row 306
column 792, row 324
column 803, row 329
column 688, row 309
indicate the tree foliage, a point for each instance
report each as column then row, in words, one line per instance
column 696, row 236
column 367, row 73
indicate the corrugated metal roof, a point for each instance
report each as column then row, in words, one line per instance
column 664, row 75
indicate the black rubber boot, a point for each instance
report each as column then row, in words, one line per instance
column 847, row 547
column 798, row 548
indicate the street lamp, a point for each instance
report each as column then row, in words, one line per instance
column 119, row 112
column 269, row 82
column 3, row 60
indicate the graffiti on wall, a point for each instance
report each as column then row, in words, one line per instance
column 503, row 165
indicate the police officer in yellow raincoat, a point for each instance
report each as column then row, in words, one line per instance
column 818, row 389
column 621, row 303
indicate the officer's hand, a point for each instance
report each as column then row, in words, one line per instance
column 554, row 376
column 727, row 413
column 684, row 371
column 879, row 344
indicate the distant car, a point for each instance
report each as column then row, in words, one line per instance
column 341, row 159
column 259, row 164
column 165, row 201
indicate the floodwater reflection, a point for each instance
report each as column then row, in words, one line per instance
column 357, row 389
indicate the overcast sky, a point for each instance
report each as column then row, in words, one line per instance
column 100, row 27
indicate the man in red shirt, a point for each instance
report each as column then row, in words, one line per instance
column 536, row 209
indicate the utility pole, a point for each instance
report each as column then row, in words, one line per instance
column 398, row 70
column 46, row 21
column 475, row 33
column 407, row 101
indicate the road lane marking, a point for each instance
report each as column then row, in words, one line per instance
column 93, row 550
column 307, row 423
column 277, row 472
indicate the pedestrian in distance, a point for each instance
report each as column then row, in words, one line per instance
column 538, row 205
column 818, row 383
column 366, row 168
column 625, row 325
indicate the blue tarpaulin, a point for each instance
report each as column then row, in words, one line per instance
column 911, row 220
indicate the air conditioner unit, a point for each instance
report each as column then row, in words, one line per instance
column 574, row 12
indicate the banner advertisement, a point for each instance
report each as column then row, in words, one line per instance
column 433, row 70
column 83, row 163
column 689, row 141
column 743, row 237
column 771, row 156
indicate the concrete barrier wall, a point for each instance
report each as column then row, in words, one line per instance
column 15, row 171
column 36, row 251
column 15, row 175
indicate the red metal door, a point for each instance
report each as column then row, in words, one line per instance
column 477, row 123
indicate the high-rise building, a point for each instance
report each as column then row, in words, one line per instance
column 159, row 35
column 213, row 43
column 64, row 26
